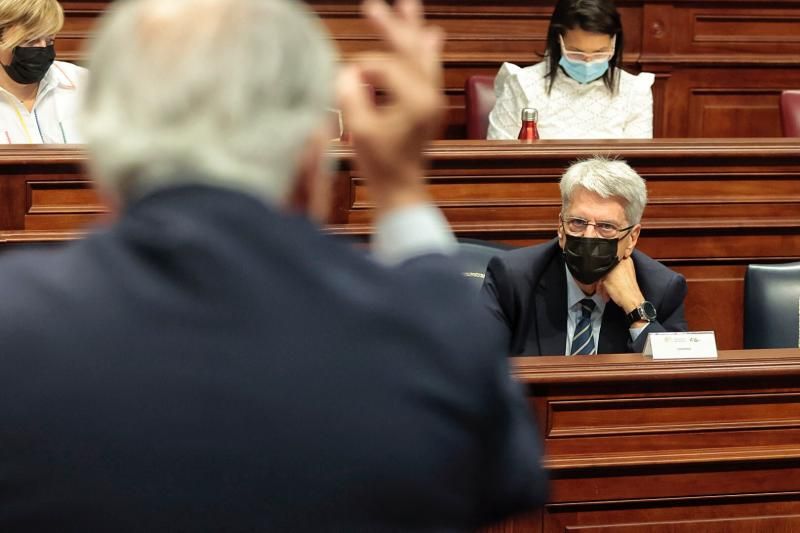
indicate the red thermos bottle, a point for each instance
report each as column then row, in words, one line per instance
column 529, row 131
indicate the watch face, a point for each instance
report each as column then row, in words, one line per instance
column 649, row 311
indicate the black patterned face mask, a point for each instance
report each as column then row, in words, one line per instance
column 588, row 258
column 30, row 64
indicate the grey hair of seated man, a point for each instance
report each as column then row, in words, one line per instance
column 608, row 178
column 223, row 92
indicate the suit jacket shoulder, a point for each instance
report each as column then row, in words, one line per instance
column 514, row 282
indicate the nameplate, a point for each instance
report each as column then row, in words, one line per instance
column 681, row 345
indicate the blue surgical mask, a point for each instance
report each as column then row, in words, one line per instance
column 583, row 72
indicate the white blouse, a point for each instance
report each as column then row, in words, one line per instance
column 54, row 114
column 572, row 110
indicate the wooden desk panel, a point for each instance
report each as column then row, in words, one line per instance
column 636, row 445
column 715, row 206
column 46, row 194
column 719, row 64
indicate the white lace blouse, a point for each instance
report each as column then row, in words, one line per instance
column 572, row 110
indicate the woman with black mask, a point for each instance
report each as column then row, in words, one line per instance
column 38, row 95
column 578, row 88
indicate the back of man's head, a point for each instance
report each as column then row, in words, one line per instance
column 224, row 92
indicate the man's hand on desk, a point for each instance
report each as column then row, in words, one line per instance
column 389, row 140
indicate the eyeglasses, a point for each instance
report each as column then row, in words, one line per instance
column 594, row 57
column 39, row 42
column 606, row 230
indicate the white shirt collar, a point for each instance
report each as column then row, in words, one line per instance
column 56, row 77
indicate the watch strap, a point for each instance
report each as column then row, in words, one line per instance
column 638, row 314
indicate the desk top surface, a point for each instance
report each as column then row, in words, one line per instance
column 650, row 148
column 636, row 367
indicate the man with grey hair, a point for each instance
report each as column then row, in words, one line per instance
column 588, row 291
column 213, row 362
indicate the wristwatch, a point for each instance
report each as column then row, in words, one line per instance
column 645, row 311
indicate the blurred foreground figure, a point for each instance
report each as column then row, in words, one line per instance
column 211, row 361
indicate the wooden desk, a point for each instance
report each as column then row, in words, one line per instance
column 715, row 205
column 45, row 194
column 633, row 445
column 720, row 65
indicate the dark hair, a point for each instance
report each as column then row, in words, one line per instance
column 596, row 16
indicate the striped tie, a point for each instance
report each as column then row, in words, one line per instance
column 583, row 340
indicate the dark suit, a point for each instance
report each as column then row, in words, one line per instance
column 209, row 364
column 525, row 291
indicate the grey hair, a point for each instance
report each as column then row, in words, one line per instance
column 222, row 92
column 608, row 178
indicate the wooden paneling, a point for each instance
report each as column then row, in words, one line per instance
column 714, row 206
column 45, row 194
column 745, row 29
column 61, row 205
column 768, row 30
column 645, row 446
column 713, row 102
column 732, row 190
column 721, row 66
column 738, row 113
column 714, row 290
column 768, row 513
column 719, row 63
column 80, row 19
column 595, row 419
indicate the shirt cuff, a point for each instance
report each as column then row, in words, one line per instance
column 410, row 232
column 635, row 332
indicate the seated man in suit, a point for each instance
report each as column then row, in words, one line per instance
column 212, row 361
column 589, row 291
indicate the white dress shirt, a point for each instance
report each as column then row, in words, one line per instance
column 572, row 110
column 53, row 119
column 575, row 313
column 412, row 231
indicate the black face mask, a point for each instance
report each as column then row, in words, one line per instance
column 30, row 64
column 590, row 258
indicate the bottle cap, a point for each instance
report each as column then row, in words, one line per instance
column 529, row 114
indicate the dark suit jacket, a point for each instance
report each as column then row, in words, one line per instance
column 525, row 291
column 209, row 364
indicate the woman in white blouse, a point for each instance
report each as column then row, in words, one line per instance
column 39, row 96
column 578, row 89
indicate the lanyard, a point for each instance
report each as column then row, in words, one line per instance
column 38, row 125
column 21, row 121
